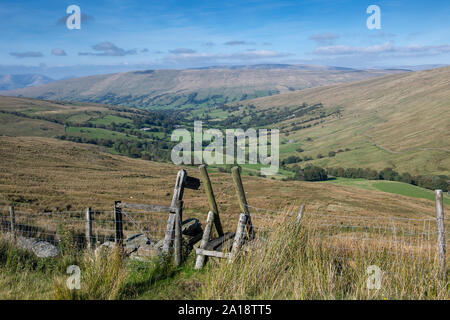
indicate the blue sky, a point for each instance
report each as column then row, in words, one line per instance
column 126, row 34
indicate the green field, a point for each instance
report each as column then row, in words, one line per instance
column 400, row 188
column 97, row 133
column 110, row 119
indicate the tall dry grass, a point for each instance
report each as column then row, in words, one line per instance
column 103, row 277
column 298, row 262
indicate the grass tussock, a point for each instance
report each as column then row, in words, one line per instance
column 299, row 263
column 102, row 278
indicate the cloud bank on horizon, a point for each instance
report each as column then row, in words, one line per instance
column 129, row 34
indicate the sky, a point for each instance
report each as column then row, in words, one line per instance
column 124, row 35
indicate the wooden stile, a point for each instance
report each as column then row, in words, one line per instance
column 178, row 254
column 210, row 253
column 179, row 187
column 177, row 195
column 205, row 239
column 211, row 198
column 242, row 200
column 239, row 237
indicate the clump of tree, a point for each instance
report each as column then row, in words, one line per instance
column 156, row 150
column 310, row 173
column 290, row 160
column 431, row 182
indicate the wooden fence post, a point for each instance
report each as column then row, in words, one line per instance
column 211, row 199
column 178, row 256
column 119, row 225
column 205, row 239
column 300, row 214
column 179, row 187
column 12, row 221
column 242, row 199
column 441, row 232
column 89, row 238
column 177, row 195
column 237, row 243
column 168, row 237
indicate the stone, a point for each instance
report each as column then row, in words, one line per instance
column 191, row 227
column 44, row 249
column 146, row 251
column 135, row 241
column 40, row 248
column 159, row 244
column 104, row 248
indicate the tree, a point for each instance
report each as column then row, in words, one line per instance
column 313, row 173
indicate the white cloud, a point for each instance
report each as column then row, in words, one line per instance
column 386, row 48
column 59, row 52
column 221, row 57
column 238, row 43
column 324, row 38
column 182, row 51
column 27, row 54
column 107, row 49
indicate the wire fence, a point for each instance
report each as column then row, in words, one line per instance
column 53, row 227
column 393, row 231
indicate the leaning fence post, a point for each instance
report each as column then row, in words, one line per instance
column 242, row 199
column 205, row 239
column 179, row 187
column 118, row 221
column 441, row 232
column 211, row 199
column 177, row 195
column 89, row 228
column 178, row 256
column 12, row 221
column 237, row 243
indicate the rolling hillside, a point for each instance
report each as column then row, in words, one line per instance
column 194, row 88
column 127, row 131
column 16, row 81
column 400, row 121
column 44, row 173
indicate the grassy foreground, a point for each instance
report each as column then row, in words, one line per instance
column 294, row 263
column 42, row 173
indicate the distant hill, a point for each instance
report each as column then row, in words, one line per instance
column 194, row 88
column 400, row 121
column 16, row 81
